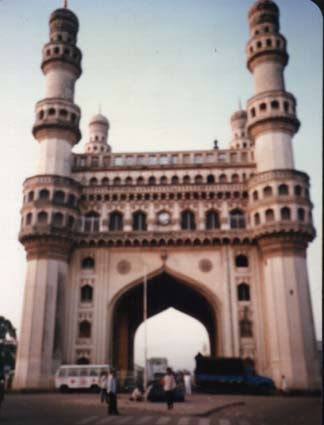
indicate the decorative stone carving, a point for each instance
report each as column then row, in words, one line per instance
column 205, row 265
column 123, row 267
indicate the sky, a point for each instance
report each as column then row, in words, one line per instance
column 168, row 75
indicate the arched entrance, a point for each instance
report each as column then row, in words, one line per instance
column 164, row 290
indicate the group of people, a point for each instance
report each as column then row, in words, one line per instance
column 108, row 389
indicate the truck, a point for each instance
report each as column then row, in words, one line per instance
column 229, row 375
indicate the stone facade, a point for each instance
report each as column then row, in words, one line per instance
column 220, row 234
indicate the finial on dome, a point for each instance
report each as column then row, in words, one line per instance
column 99, row 109
column 65, row 4
column 239, row 104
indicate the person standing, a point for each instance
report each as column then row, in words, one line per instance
column 103, row 386
column 284, row 384
column 112, row 393
column 187, row 383
column 169, row 385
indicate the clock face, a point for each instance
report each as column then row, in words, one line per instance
column 164, row 217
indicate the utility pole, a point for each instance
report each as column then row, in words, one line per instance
column 145, row 327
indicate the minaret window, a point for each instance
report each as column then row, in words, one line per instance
column 210, row 179
column 44, row 194
column 31, row 196
column 275, row 104
column 269, row 42
column 87, row 263
column 256, row 219
column 93, row 181
column 298, row 190
column 283, row 189
column 267, row 191
column 42, row 217
column 71, row 200
column 259, row 44
column 198, row 179
column 57, row 219
column 222, row 178
column 253, row 112
column 286, row 106
column 301, row 214
column 188, row 220
column 85, row 329
column 139, row 221
column 29, row 218
column 86, row 294
column 70, row 221
column 269, row 215
column 63, row 113
column 263, row 107
column 59, row 197
column 212, row 220
column 255, row 195
column 285, row 213
column 51, row 111
column 237, row 219
column 241, row 261
column 243, row 292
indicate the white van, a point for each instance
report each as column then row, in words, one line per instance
column 79, row 376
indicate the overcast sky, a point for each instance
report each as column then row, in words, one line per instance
column 168, row 75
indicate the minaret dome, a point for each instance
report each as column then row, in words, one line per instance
column 98, row 140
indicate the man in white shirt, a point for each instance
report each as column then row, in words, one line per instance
column 112, row 393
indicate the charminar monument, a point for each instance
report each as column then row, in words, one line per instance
column 221, row 235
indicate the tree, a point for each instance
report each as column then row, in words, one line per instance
column 8, row 344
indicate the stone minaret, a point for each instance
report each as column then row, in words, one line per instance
column 49, row 211
column 98, row 141
column 280, row 207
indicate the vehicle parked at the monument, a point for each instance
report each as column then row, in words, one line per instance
column 229, row 375
column 73, row 377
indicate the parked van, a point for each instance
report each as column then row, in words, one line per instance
column 79, row 377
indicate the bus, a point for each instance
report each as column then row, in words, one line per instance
column 68, row 377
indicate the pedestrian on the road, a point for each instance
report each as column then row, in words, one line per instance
column 103, row 386
column 284, row 384
column 187, row 383
column 169, row 385
column 112, row 393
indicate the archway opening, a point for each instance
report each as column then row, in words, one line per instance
column 173, row 335
column 163, row 291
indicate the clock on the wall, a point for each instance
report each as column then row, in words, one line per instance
column 163, row 217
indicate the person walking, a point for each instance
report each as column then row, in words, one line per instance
column 169, row 385
column 112, row 393
column 187, row 383
column 103, row 387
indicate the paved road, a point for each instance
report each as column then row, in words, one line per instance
column 85, row 409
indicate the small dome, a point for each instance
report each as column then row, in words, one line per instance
column 239, row 115
column 264, row 6
column 64, row 14
column 99, row 118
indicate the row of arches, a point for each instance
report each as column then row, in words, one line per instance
column 273, row 105
column 58, row 197
column 169, row 180
column 268, row 43
column 166, row 196
column 282, row 190
column 269, row 215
